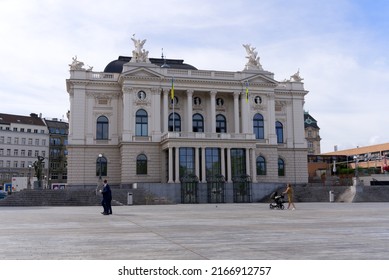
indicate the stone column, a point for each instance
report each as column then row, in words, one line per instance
column 189, row 114
column 203, row 175
column 165, row 120
column 177, row 169
column 248, row 165
column 197, row 162
column 213, row 111
column 170, row 168
column 244, row 106
column 236, row 111
column 222, row 162
column 253, row 166
column 229, row 169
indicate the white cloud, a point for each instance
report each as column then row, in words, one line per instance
column 339, row 47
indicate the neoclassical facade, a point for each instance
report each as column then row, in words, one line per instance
column 147, row 120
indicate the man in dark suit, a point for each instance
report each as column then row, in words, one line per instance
column 107, row 198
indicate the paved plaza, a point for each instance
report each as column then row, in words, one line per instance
column 315, row 231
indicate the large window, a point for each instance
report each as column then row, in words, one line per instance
column 141, row 164
column 174, row 122
column 281, row 167
column 101, row 166
column 258, row 126
column 261, row 165
column 102, row 128
column 280, row 132
column 198, row 123
column 212, row 162
column 141, row 123
column 187, row 161
column 221, row 125
column 238, row 162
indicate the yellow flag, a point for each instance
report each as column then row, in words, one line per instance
column 172, row 90
column 247, row 92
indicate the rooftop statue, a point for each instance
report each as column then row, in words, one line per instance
column 296, row 77
column 76, row 65
column 252, row 55
column 139, row 54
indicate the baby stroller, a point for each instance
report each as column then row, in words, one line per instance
column 278, row 201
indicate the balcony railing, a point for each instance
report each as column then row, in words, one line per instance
column 207, row 135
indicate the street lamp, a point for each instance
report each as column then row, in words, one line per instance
column 99, row 183
column 29, row 177
column 100, row 159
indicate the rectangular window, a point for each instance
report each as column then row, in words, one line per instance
column 238, row 162
column 187, row 161
column 212, row 162
column 16, row 152
column 36, row 142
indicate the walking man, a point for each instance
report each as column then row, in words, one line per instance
column 107, row 198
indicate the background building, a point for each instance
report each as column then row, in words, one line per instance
column 22, row 140
column 312, row 134
column 58, row 132
column 128, row 125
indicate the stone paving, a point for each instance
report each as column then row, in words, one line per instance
column 315, row 231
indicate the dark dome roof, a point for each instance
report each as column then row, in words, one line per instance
column 116, row 66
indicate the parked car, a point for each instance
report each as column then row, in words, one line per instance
column 3, row 194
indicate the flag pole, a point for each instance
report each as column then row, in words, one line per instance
column 172, row 97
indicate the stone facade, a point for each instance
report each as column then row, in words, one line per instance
column 223, row 122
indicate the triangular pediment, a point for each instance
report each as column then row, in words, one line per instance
column 260, row 79
column 143, row 72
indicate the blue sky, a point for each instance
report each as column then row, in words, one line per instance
column 339, row 46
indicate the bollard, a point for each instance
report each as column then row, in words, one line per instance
column 332, row 196
column 129, row 198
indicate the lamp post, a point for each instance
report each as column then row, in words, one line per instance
column 100, row 165
column 99, row 183
column 29, row 177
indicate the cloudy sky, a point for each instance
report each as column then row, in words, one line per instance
column 339, row 46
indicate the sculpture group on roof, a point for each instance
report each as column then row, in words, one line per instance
column 139, row 54
column 76, row 65
column 252, row 56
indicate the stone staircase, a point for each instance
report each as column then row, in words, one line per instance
column 48, row 197
column 69, row 197
column 88, row 197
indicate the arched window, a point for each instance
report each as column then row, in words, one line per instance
column 261, row 165
column 281, row 167
column 141, row 123
column 280, row 132
column 198, row 123
column 221, row 125
column 101, row 166
column 174, row 122
column 141, row 164
column 258, row 126
column 102, row 128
